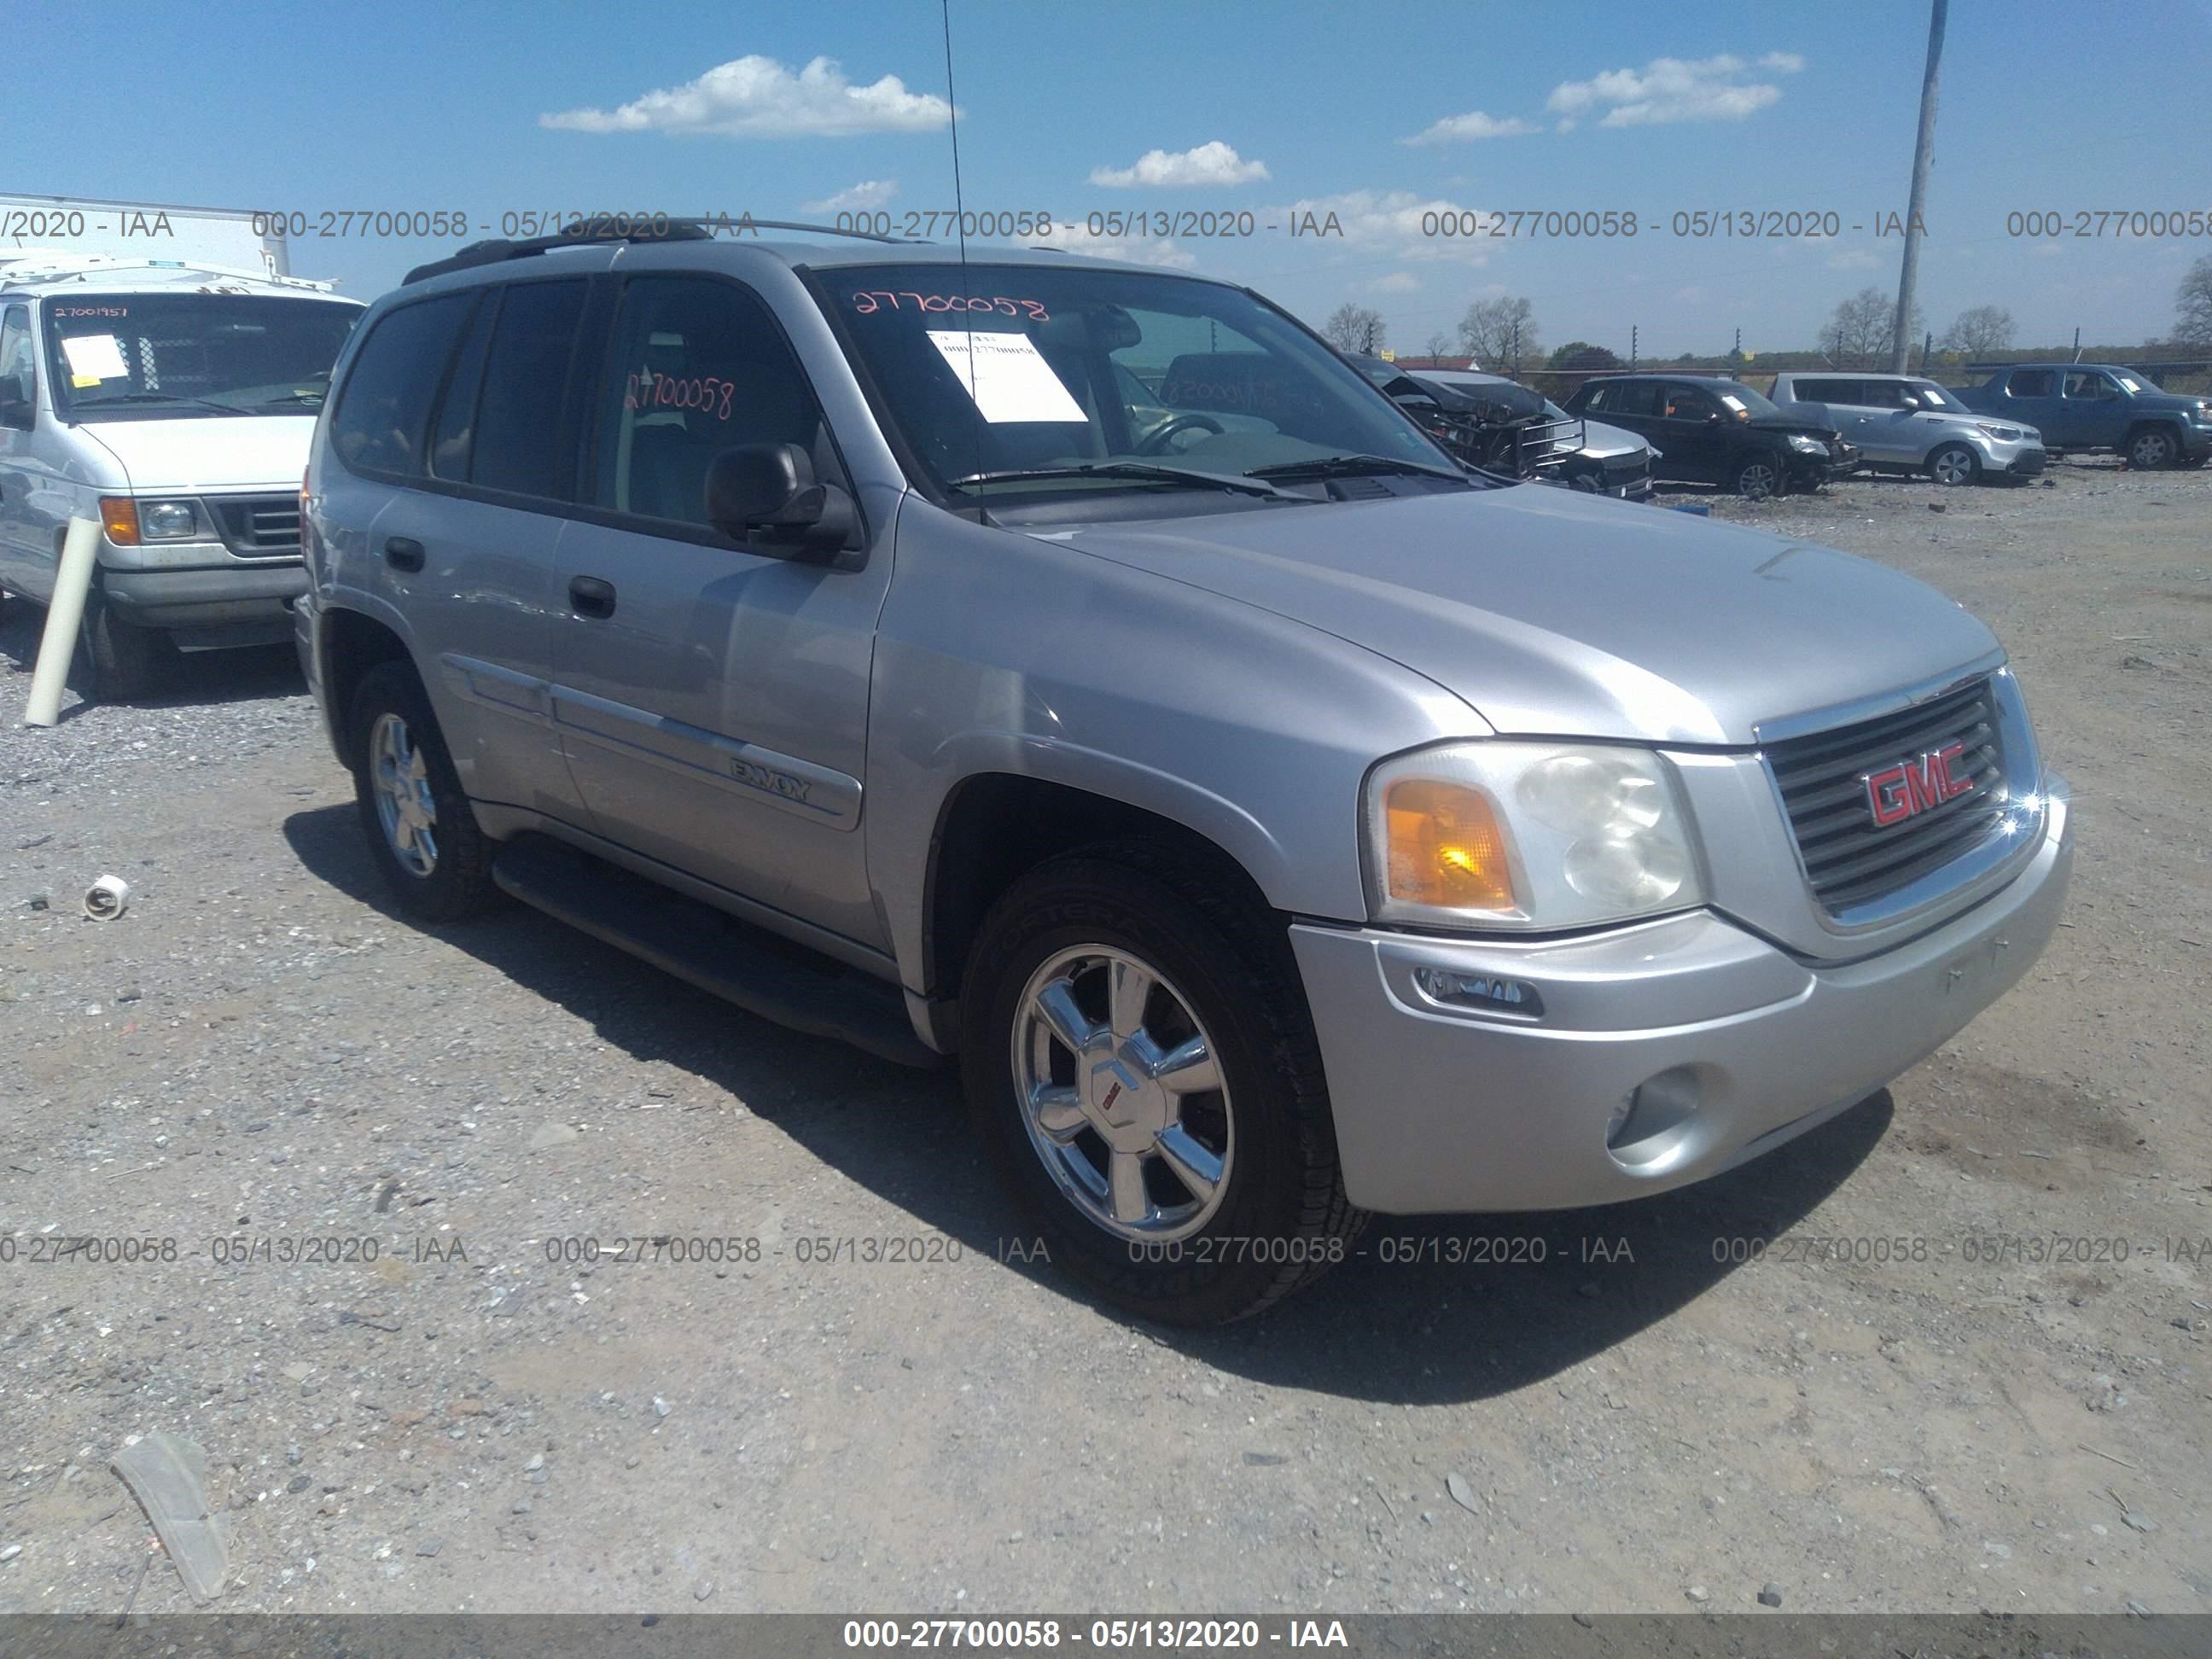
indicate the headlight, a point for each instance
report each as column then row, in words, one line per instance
column 168, row 521
column 2002, row 433
column 1513, row 834
column 130, row 521
column 1799, row 442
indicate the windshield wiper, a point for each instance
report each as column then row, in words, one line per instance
column 1249, row 483
column 92, row 404
column 315, row 397
column 1346, row 466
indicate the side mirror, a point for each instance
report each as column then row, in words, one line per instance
column 14, row 408
column 1908, row 400
column 1712, row 418
column 768, row 493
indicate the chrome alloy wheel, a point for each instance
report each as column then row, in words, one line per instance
column 1757, row 480
column 1954, row 466
column 404, row 802
column 1121, row 1089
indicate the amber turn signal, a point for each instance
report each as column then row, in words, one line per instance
column 118, row 516
column 1446, row 847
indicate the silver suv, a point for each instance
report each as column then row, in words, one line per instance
column 1906, row 422
column 1081, row 669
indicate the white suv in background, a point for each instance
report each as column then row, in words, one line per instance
column 174, row 405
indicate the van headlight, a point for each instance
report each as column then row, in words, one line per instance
column 1515, row 834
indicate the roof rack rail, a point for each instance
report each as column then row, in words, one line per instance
column 645, row 228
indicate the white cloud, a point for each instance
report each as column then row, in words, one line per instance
column 1216, row 163
column 1073, row 238
column 1565, row 124
column 1674, row 89
column 1457, row 129
column 757, row 97
column 1408, row 226
column 868, row 193
column 1398, row 282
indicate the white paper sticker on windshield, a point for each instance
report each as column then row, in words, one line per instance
column 99, row 356
column 1006, row 375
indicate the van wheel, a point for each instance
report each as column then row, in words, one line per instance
column 420, row 830
column 128, row 662
column 1955, row 463
column 2151, row 447
column 1142, row 1069
column 1759, row 478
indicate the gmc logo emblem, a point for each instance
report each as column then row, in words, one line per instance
column 1911, row 788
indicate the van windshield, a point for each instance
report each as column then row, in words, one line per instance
column 1013, row 379
column 156, row 357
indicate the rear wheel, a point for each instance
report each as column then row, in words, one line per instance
column 1140, row 1065
column 1954, row 464
column 420, row 827
column 2152, row 447
column 128, row 661
column 1758, row 477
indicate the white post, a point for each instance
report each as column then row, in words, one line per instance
column 57, row 645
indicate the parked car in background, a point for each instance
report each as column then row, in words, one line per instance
column 1457, row 406
column 173, row 404
column 1609, row 460
column 1720, row 432
column 2098, row 406
column 1294, row 828
column 1907, row 423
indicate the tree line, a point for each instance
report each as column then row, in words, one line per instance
column 1501, row 333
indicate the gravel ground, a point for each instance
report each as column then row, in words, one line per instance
column 444, row 1417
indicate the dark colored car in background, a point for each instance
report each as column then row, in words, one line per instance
column 1719, row 432
column 1502, row 426
column 2099, row 406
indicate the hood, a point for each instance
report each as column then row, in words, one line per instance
column 1559, row 613
column 1605, row 441
column 221, row 453
column 1786, row 422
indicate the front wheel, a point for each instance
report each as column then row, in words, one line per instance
column 1954, row 464
column 2151, row 448
column 1759, row 478
column 420, row 827
column 1142, row 1069
column 128, row 661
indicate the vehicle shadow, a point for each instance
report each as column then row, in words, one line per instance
column 1422, row 1311
column 191, row 679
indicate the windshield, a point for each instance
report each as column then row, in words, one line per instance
column 1005, row 369
column 152, row 356
column 1741, row 401
column 2128, row 382
column 1932, row 395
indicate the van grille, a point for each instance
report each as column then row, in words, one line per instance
column 1849, row 860
column 258, row 526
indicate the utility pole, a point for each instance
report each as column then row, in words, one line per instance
column 1631, row 345
column 1900, row 346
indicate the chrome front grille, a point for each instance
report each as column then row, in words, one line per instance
column 258, row 526
column 1849, row 858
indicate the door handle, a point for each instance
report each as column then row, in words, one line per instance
column 590, row 597
column 402, row 553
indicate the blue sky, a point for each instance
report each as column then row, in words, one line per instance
column 1274, row 108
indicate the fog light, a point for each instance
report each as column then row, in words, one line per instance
column 1489, row 991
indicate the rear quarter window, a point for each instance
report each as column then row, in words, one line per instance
column 518, row 415
column 386, row 403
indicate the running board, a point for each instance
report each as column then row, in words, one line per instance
column 728, row 958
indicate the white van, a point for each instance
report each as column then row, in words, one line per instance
column 173, row 403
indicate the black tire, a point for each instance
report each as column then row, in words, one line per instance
column 2153, row 449
column 1944, row 465
column 457, row 882
column 128, row 662
column 1759, row 476
column 1282, row 1218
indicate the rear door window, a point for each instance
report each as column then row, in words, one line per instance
column 517, row 446
column 2031, row 383
column 386, row 403
column 1626, row 398
column 1829, row 391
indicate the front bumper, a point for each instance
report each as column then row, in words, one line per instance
column 2019, row 460
column 219, row 597
column 1440, row 1107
